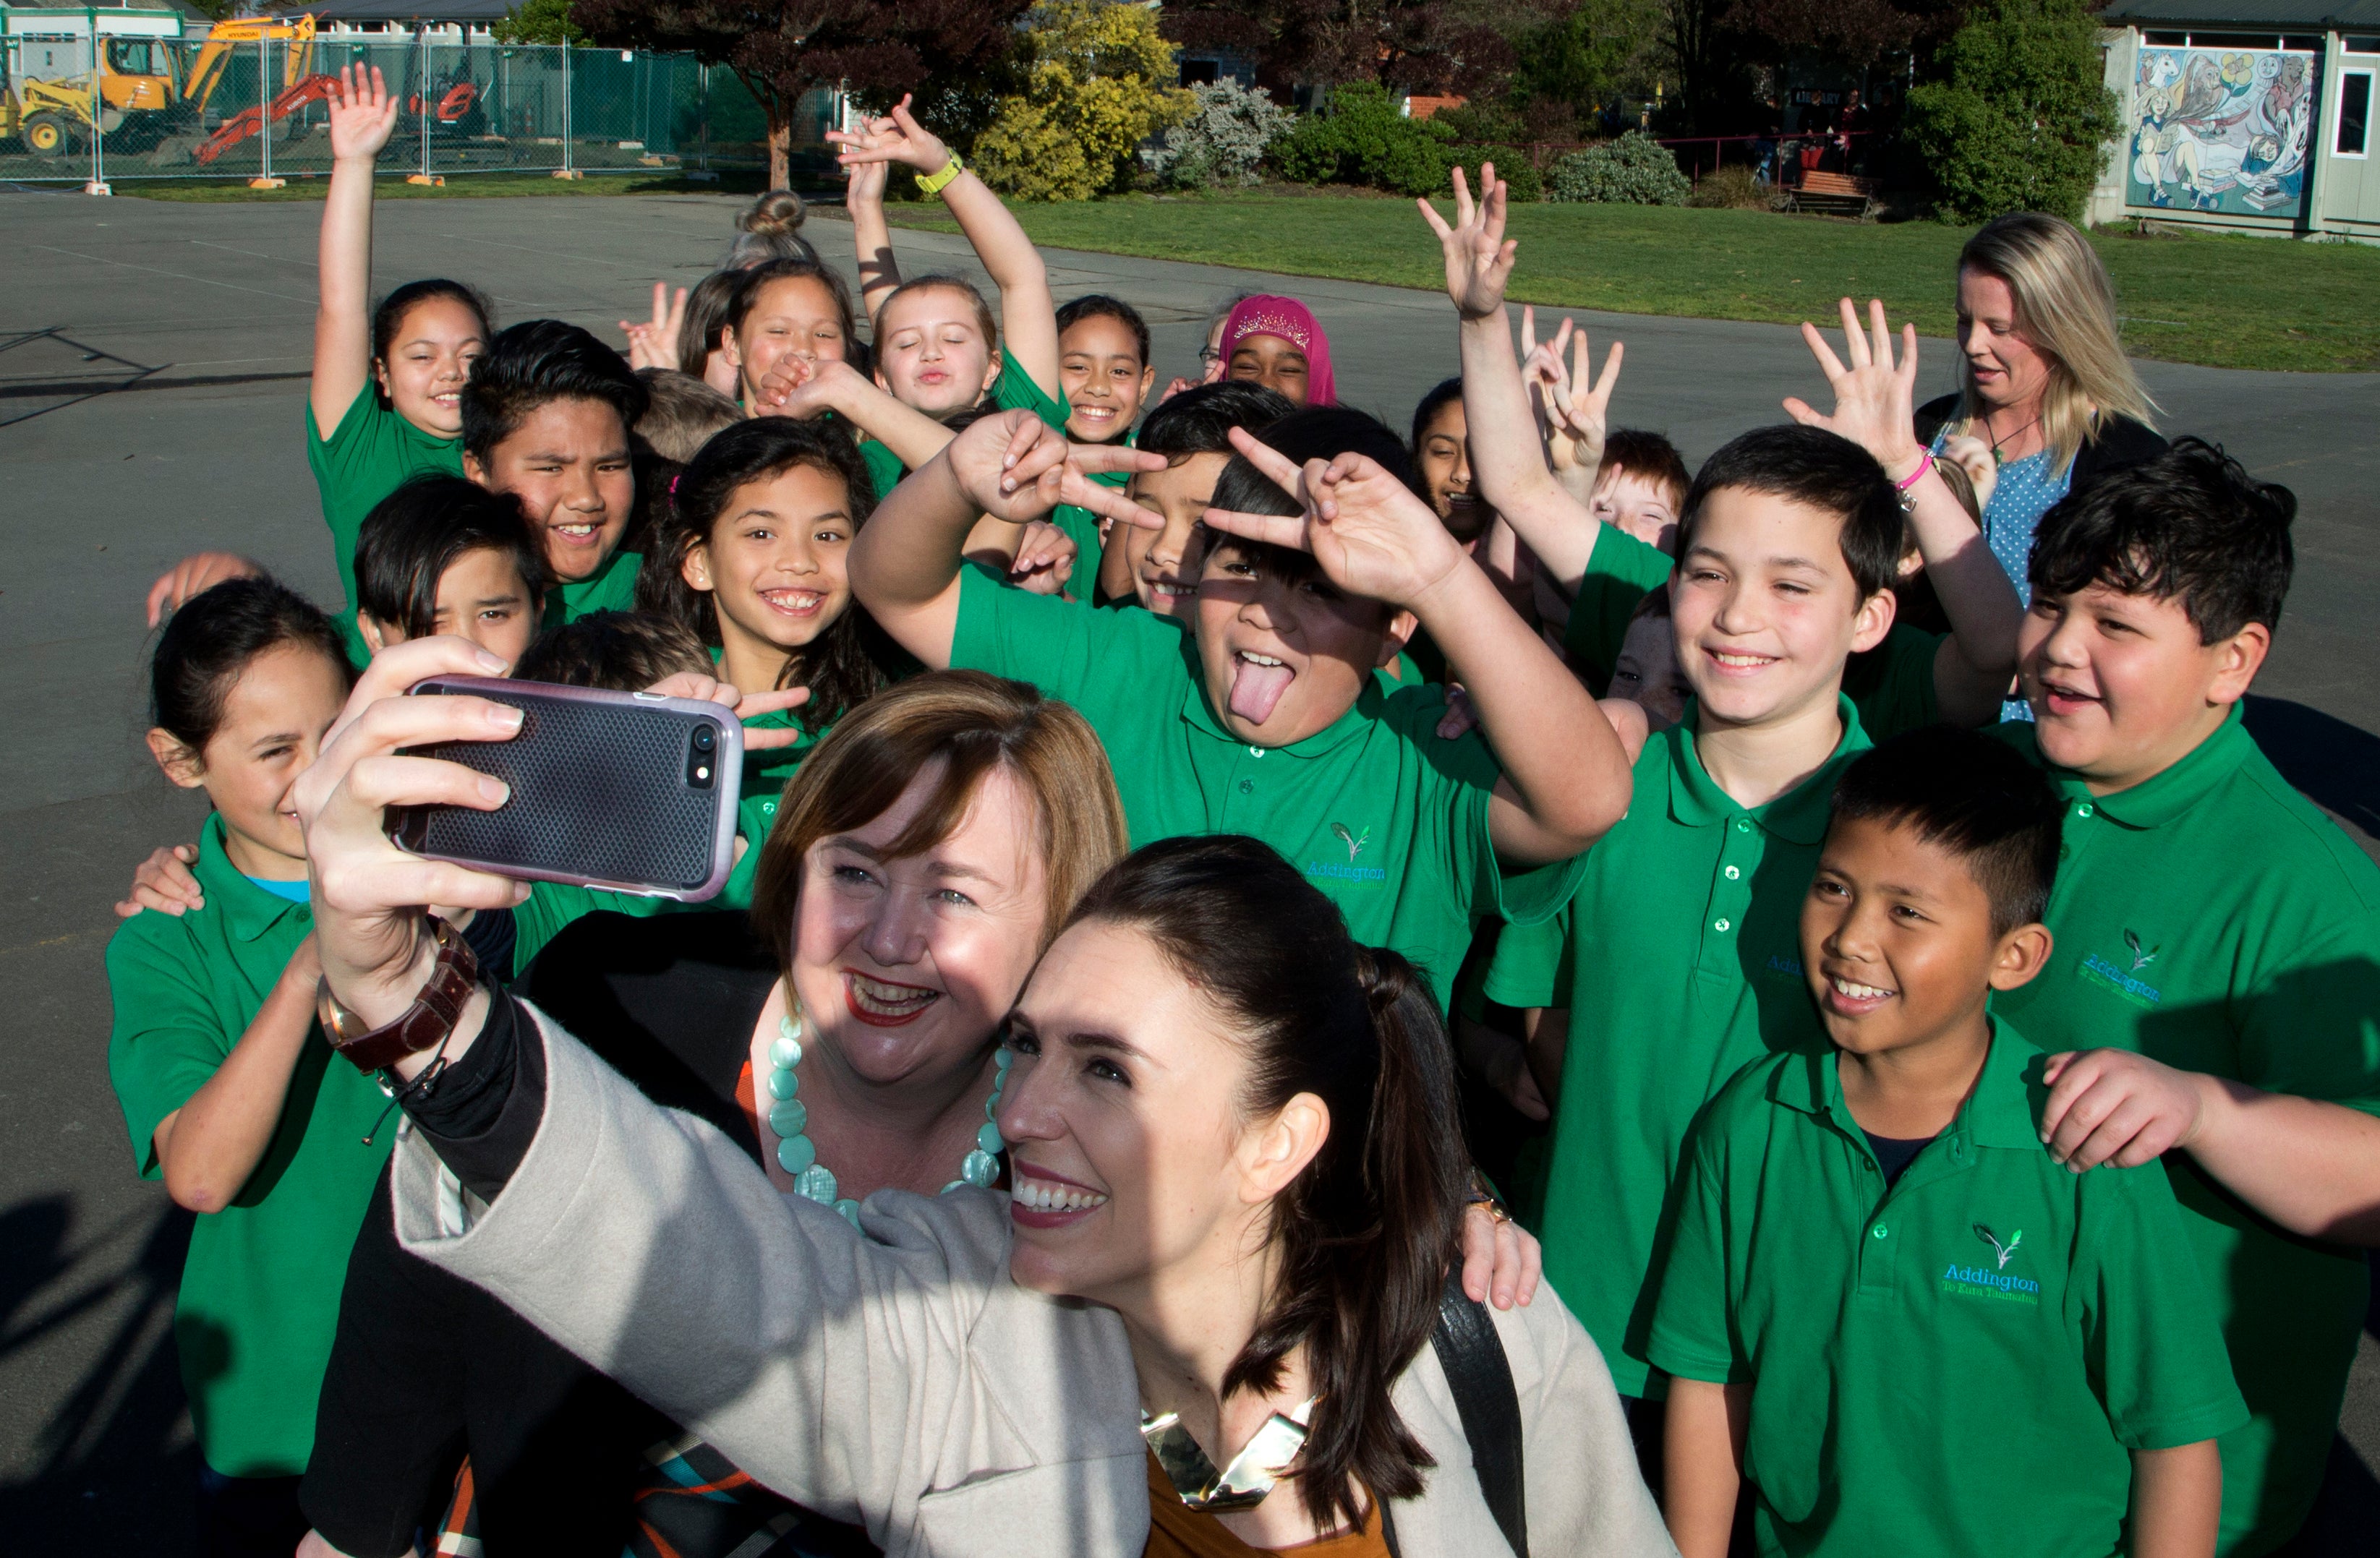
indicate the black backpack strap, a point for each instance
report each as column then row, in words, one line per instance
column 1473, row 1356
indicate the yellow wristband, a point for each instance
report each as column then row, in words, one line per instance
column 934, row 183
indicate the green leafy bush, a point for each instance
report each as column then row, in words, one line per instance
column 1364, row 139
column 2022, row 116
column 1513, row 165
column 1635, row 170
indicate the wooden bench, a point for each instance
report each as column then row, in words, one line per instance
column 1832, row 194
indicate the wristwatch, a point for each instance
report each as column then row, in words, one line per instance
column 423, row 1025
column 933, row 183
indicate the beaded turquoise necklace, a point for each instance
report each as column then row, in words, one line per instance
column 797, row 1155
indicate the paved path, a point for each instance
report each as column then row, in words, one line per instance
column 188, row 329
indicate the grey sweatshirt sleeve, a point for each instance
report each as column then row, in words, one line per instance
column 894, row 1379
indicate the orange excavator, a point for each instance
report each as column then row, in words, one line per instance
column 456, row 110
column 300, row 84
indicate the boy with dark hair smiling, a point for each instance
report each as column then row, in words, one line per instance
column 1679, row 946
column 2216, row 935
column 1157, row 569
column 1266, row 717
column 1883, row 1303
column 546, row 415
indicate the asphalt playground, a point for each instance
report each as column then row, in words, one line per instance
column 153, row 379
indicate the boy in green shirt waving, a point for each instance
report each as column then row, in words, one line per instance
column 1267, row 718
column 1680, row 942
column 2219, row 942
column 1884, row 1304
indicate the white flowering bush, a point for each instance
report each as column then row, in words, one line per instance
column 1223, row 140
column 1634, row 170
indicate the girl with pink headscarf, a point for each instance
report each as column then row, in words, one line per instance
column 1278, row 343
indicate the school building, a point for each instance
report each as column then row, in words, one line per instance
column 2249, row 115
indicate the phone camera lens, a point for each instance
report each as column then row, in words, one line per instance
column 703, row 740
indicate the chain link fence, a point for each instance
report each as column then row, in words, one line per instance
column 82, row 110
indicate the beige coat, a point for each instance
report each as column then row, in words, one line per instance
column 901, row 1379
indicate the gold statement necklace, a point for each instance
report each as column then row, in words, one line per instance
column 1262, row 1462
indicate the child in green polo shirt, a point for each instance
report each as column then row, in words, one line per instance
column 441, row 554
column 385, row 400
column 1912, row 678
column 2219, row 942
column 1104, row 377
column 1158, row 570
column 546, row 415
column 1883, row 1303
column 227, row 1086
column 1267, row 718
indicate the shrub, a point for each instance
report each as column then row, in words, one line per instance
column 1364, row 139
column 1513, row 165
column 1223, row 140
column 2019, row 122
column 1093, row 74
column 1634, row 170
column 1731, row 187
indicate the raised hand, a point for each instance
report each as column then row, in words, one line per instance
column 1874, row 397
column 1366, row 528
column 654, row 343
column 898, row 137
column 864, row 183
column 195, row 574
column 1574, row 406
column 1016, row 467
column 363, row 114
column 369, row 895
column 1479, row 256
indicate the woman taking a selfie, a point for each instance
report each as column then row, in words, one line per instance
column 966, row 814
column 1238, row 1184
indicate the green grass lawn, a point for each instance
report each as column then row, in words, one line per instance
column 2229, row 302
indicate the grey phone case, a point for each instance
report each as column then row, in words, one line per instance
column 605, row 792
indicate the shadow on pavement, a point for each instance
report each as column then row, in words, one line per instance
column 113, row 1470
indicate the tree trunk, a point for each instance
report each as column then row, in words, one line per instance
column 780, row 142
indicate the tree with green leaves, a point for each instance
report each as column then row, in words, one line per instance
column 539, row 21
column 2021, row 116
column 1094, row 80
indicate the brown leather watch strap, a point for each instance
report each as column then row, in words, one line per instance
column 424, row 1024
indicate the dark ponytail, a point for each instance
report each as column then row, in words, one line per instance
column 1367, row 1232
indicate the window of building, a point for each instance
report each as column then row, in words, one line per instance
column 2354, row 127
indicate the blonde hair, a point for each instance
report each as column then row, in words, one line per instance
column 972, row 722
column 2066, row 308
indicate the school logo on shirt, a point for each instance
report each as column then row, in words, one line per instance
column 2122, row 974
column 1996, row 1281
column 1334, row 871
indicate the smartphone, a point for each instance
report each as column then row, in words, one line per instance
column 632, row 792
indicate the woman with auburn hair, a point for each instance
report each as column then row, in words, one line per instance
column 2046, row 388
column 841, row 1041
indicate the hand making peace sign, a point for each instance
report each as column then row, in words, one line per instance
column 1364, row 526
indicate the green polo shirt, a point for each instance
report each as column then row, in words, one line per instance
column 552, row 906
column 612, row 587
column 1975, row 1349
column 370, row 455
column 1081, row 526
column 259, row 1290
column 1388, row 820
column 2214, row 920
column 1684, row 964
column 1892, row 684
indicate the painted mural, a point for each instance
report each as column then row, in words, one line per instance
column 2228, row 130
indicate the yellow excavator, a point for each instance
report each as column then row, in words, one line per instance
column 143, row 88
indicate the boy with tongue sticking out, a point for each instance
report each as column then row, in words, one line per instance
column 1266, row 718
